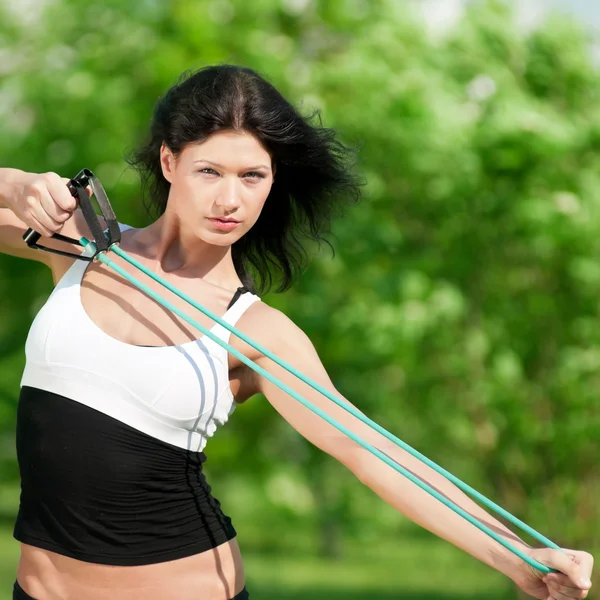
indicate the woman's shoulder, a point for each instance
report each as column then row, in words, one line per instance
column 263, row 317
column 278, row 335
column 270, row 328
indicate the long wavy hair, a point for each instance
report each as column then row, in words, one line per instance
column 315, row 171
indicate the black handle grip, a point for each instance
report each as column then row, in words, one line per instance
column 77, row 186
column 31, row 237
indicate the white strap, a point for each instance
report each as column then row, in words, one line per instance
column 235, row 312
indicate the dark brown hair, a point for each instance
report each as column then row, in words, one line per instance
column 315, row 174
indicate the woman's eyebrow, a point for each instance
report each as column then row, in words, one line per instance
column 214, row 164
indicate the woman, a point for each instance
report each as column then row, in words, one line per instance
column 110, row 441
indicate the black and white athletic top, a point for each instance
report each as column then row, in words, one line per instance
column 110, row 438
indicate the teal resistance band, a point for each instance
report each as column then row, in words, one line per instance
column 91, row 247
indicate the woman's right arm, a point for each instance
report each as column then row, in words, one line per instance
column 39, row 201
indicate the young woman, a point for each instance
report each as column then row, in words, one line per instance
column 110, row 439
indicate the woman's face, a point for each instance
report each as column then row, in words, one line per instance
column 218, row 187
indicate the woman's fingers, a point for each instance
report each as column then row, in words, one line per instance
column 574, row 565
column 50, row 224
column 52, row 209
column 561, row 587
column 561, row 592
column 48, row 203
column 60, row 195
column 37, row 226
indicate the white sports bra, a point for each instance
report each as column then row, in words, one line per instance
column 178, row 394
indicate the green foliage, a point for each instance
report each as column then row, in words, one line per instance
column 461, row 308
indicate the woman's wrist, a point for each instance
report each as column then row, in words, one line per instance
column 8, row 177
column 509, row 564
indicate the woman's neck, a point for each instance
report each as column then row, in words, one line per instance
column 177, row 250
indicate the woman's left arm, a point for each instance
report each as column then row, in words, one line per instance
column 290, row 343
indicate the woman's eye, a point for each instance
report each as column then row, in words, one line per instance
column 249, row 175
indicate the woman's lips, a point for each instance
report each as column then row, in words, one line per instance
column 224, row 224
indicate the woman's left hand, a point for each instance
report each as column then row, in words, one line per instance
column 572, row 581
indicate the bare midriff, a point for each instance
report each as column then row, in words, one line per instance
column 216, row 574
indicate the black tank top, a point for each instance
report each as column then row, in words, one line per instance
column 100, row 491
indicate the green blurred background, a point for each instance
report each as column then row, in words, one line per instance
column 461, row 309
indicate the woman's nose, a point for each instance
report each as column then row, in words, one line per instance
column 229, row 193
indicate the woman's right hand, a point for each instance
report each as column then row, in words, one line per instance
column 41, row 201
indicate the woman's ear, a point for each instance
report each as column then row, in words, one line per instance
column 167, row 162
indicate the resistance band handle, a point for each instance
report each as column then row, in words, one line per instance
column 84, row 178
column 77, row 187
